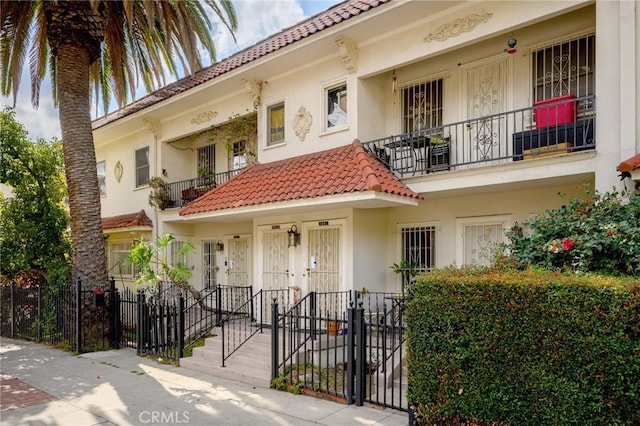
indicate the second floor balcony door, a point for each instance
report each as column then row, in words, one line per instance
column 485, row 89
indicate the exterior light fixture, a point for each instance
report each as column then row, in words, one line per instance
column 293, row 236
column 511, row 46
column 219, row 246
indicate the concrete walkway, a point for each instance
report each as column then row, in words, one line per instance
column 44, row 386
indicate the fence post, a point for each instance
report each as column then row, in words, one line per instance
column 117, row 326
column 180, row 325
column 350, row 351
column 251, row 311
column 79, row 316
column 139, row 303
column 13, row 309
column 218, row 304
column 39, row 313
column 312, row 314
column 274, row 338
column 361, row 354
column 112, row 313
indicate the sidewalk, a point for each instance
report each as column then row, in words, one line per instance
column 118, row 388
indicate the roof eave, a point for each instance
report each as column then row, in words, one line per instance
column 362, row 200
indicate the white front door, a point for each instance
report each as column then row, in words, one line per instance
column 238, row 262
column 275, row 259
column 485, row 88
column 324, row 258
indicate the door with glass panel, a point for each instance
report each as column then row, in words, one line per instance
column 485, row 88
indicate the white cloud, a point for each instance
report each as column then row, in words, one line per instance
column 257, row 19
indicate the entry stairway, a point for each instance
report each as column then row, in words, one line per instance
column 250, row 364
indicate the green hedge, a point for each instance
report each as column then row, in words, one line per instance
column 524, row 348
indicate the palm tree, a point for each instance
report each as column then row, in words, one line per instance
column 94, row 46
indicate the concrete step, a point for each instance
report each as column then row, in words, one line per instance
column 250, row 363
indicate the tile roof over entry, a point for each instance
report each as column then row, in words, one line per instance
column 630, row 164
column 130, row 220
column 298, row 32
column 347, row 169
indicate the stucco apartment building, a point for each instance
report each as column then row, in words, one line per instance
column 375, row 132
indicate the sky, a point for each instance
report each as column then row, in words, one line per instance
column 257, row 19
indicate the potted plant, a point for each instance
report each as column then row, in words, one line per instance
column 160, row 195
column 407, row 270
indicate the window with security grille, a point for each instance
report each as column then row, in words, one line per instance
column 422, row 106
column 418, row 246
column 481, row 241
column 565, row 68
column 117, row 253
column 209, row 270
column 206, row 160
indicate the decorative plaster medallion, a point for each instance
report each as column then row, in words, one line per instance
column 118, row 170
column 302, row 123
column 203, row 117
column 348, row 52
column 457, row 27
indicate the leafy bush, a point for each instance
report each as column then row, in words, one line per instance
column 524, row 348
column 598, row 234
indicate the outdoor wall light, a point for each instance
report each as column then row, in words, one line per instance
column 511, row 46
column 294, row 236
column 219, row 246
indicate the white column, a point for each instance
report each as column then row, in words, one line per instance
column 616, row 89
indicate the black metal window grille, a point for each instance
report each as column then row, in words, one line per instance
column 422, row 106
column 418, row 246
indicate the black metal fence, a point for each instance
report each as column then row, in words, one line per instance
column 355, row 354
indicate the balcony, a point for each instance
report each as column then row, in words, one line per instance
column 184, row 191
column 561, row 126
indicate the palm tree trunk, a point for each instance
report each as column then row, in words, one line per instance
column 89, row 260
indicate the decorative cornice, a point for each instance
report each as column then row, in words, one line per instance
column 254, row 88
column 457, row 27
column 302, row 123
column 348, row 53
column 203, row 117
column 153, row 125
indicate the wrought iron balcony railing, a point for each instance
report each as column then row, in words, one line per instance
column 185, row 191
column 552, row 127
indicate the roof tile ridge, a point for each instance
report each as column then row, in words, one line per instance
column 364, row 161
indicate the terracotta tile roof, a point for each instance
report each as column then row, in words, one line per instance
column 347, row 169
column 630, row 164
column 300, row 31
column 127, row 221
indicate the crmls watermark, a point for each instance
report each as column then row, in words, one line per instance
column 164, row 417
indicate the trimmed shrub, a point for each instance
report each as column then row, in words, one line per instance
column 524, row 348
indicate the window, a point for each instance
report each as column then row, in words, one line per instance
column 209, row 268
column 337, row 106
column 117, row 253
column 564, row 68
column 206, row 160
column 418, row 246
column 102, row 177
column 422, row 106
column 176, row 256
column 481, row 241
column 142, row 167
column 239, row 160
column 275, row 115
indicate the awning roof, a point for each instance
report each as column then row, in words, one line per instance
column 126, row 221
column 630, row 164
column 343, row 175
